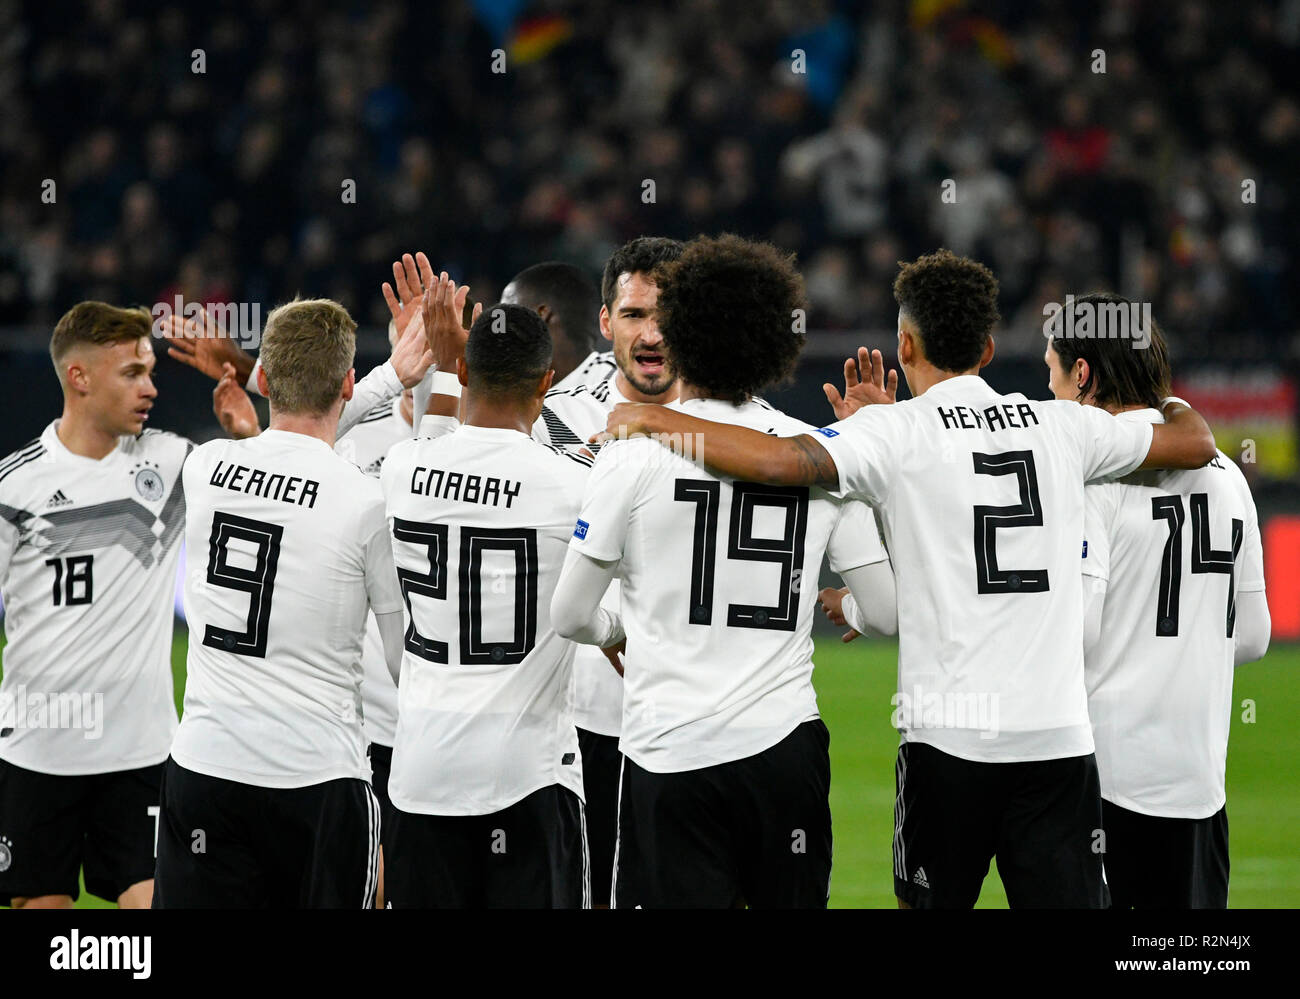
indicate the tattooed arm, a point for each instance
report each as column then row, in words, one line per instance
column 726, row 449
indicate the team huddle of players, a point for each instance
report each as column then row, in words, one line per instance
column 512, row 621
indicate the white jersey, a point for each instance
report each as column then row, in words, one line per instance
column 719, row 588
column 480, row 519
column 981, row 496
column 568, row 418
column 88, row 552
column 1175, row 548
column 597, row 367
column 365, row 445
column 297, row 552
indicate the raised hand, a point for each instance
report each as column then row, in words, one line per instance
column 203, row 345
column 411, row 276
column 832, row 601
column 872, row 389
column 442, row 309
column 232, row 406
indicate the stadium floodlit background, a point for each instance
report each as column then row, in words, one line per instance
column 1143, row 147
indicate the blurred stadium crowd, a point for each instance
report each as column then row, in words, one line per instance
column 226, row 184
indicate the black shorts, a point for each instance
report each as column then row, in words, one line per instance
column 51, row 826
column 1041, row 819
column 381, row 765
column 601, row 765
column 532, row 855
column 755, row 831
column 225, row 844
column 1155, row 862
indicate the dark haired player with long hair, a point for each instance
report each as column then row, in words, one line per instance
column 981, row 495
column 1175, row 599
column 726, row 771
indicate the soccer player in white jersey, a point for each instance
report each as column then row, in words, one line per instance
column 365, row 445
column 981, row 497
column 486, row 780
column 641, row 372
column 90, row 515
column 1174, row 584
column 266, row 800
column 724, row 798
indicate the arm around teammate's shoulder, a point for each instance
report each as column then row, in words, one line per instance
column 727, row 448
column 1184, row 440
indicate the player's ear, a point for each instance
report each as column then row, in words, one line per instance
column 986, row 355
column 349, row 383
column 605, row 331
column 263, row 386
column 77, row 378
column 906, row 346
column 1081, row 373
column 462, row 372
column 545, row 385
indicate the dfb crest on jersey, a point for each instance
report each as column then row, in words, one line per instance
column 6, row 854
column 149, row 484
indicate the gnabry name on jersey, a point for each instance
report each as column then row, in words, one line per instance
column 964, row 418
column 441, row 484
column 266, row 485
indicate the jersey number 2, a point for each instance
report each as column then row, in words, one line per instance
column 989, row 576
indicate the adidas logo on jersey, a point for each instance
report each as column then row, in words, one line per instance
column 58, row 499
column 919, row 878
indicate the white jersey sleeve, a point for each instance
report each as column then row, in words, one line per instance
column 1110, row 447
column 867, row 450
column 1250, row 577
column 855, row 538
column 1098, row 514
column 380, row 385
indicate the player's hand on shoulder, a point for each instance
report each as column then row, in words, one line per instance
column 870, row 387
column 625, row 419
column 232, row 406
column 203, row 345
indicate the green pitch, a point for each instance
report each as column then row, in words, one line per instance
column 854, row 684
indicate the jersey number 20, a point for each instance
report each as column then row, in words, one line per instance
column 474, row 541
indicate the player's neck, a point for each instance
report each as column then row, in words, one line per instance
column 497, row 414
column 628, row 391
column 924, row 377
column 567, row 356
column 686, row 391
column 83, row 436
column 323, row 427
column 1112, row 409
